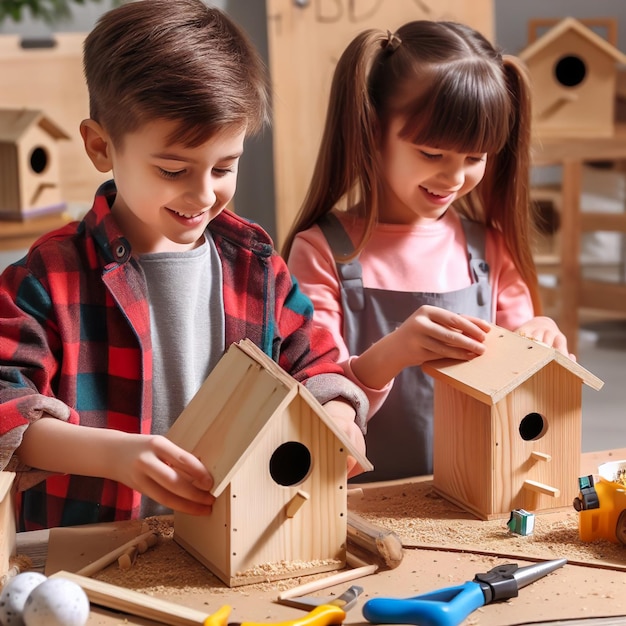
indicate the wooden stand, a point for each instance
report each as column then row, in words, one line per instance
column 574, row 292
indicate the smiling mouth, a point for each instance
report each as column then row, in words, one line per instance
column 187, row 215
column 435, row 193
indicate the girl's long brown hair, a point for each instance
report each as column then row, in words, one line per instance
column 456, row 92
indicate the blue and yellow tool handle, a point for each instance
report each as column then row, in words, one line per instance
column 323, row 615
column 443, row 607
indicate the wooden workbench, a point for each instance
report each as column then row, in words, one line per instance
column 574, row 591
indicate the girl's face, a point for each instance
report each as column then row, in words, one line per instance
column 421, row 182
column 167, row 194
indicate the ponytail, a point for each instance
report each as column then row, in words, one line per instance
column 346, row 167
column 504, row 190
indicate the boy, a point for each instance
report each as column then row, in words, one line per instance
column 109, row 326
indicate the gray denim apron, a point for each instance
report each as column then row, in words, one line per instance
column 400, row 435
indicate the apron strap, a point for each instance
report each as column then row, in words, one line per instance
column 351, row 272
column 479, row 268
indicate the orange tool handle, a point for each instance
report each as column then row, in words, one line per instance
column 323, row 615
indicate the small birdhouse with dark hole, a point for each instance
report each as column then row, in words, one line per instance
column 507, row 427
column 29, row 164
column 573, row 73
column 279, row 464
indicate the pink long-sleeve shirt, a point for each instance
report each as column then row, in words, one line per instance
column 407, row 257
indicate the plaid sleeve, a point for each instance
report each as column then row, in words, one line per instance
column 26, row 363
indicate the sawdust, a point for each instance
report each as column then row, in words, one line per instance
column 419, row 516
column 187, row 575
column 423, row 519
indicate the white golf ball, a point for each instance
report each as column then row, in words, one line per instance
column 14, row 595
column 56, row 602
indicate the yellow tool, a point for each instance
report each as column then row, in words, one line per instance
column 323, row 615
column 601, row 504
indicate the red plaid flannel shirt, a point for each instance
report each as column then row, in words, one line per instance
column 75, row 325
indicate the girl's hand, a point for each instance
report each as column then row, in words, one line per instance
column 434, row 333
column 158, row 468
column 545, row 330
column 343, row 414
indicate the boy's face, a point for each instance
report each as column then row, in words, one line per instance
column 167, row 194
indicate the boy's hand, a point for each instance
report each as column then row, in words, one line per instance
column 159, row 469
column 151, row 464
column 343, row 414
column 545, row 330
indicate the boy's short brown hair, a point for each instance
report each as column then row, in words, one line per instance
column 176, row 60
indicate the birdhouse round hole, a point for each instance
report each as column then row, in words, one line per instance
column 290, row 463
column 533, row 426
column 570, row 70
column 39, row 159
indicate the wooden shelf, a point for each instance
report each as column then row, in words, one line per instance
column 15, row 235
column 575, row 292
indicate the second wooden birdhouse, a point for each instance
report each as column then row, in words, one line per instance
column 573, row 73
column 279, row 464
column 507, row 430
column 7, row 521
column 29, row 164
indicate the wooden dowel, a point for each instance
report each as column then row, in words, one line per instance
column 111, row 557
column 540, row 456
column 537, row 487
column 296, row 503
column 335, row 579
column 135, row 602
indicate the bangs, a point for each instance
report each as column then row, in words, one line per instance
column 468, row 111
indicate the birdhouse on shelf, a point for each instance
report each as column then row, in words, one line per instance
column 7, row 521
column 279, row 463
column 29, row 164
column 573, row 73
column 507, row 427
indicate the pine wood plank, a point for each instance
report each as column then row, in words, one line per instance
column 135, row 603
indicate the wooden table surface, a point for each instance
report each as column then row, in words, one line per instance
column 573, row 592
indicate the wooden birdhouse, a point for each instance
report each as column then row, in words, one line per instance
column 507, row 427
column 29, row 164
column 573, row 73
column 7, row 521
column 279, row 465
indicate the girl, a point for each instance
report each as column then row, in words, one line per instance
column 415, row 231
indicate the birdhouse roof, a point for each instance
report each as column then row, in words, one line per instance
column 509, row 360
column 6, row 481
column 571, row 24
column 229, row 413
column 15, row 122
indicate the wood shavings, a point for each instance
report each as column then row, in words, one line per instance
column 17, row 565
column 423, row 519
column 287, row 567
column 185, row 574
column 418, row 515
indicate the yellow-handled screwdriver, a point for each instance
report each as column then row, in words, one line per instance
column 323, row 615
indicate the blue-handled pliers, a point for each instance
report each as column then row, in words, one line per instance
column 451, row 605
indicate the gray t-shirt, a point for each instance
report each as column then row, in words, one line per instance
column 187, row 329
